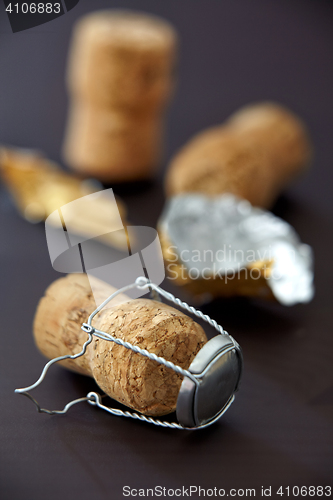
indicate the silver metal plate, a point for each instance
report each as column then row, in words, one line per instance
column 218, row 368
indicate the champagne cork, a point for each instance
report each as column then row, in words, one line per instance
column 111, row 145
column 130, row 378
column 254, row 155
column 120, row 78
column 122, row 59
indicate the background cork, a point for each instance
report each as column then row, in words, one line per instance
column 254, row 155
column 120, row 78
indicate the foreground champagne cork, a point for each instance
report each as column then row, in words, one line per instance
column 120, row 78
column 128, row 377
column 254, row 155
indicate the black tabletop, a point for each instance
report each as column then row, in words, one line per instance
column 278, row 433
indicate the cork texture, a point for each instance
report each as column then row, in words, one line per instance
column 120, row 79
column 112, row 145
column 128, row 377
column 123, row 59
column 254, row 155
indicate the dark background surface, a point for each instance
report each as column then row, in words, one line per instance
column 279, row 430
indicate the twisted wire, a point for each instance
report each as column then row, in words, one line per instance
column 54, row 412
column 143, row 352
column 24, row 390
column 184, row 305
column 94, row 398
column 142, row 283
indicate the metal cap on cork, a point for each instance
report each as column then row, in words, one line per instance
column 217, row 367
column 208, row 386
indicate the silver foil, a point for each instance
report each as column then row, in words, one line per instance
column 222, row 235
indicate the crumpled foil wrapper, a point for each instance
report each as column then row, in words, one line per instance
column 39, row 187
column 223, row 235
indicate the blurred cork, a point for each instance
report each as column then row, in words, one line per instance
column 120, row 78
column 254, row 155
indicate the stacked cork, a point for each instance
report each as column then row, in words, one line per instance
column 120, row 78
